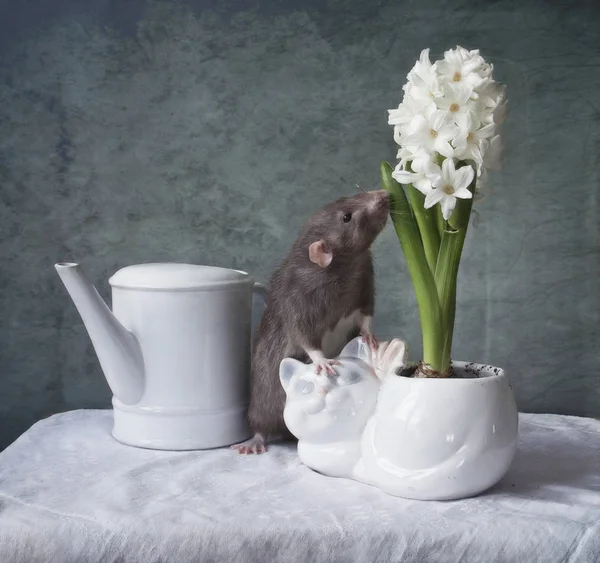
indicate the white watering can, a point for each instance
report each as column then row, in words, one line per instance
column 175, row 351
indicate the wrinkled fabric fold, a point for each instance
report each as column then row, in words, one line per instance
column 70, row 493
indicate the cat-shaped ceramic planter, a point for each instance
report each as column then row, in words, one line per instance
column 429, row 439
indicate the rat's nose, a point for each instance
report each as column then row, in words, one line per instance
column 379, row 199
column 379, row 195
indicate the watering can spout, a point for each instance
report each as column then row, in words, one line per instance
column 117, row 348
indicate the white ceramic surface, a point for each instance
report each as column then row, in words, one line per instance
column 428, row 439
column 175, row 351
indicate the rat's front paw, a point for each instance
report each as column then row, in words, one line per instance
column 326, row 366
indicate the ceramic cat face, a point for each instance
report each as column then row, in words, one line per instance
column 323, row 408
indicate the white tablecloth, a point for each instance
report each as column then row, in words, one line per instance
column 70, row 493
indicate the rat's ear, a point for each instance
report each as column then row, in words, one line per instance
column 287, row 368
column 320, row 254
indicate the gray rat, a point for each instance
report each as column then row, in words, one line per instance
column 321, row 296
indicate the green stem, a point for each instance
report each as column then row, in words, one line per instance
column 439, row 221
column 446, row 275
column 426, row 222
column 420, row 272
column 447, row 352
column 446, row 272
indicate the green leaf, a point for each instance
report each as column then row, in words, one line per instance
column 420, row 272
column 439, row 220
column 427, row 225
column 446, row 275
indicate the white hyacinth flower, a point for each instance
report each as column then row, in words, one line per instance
column 404, row 156
column 423, row 173
column 464, row 67
column 402, row 115
column 450, row 109
column 423, row 80
column 409, row 107
column 449, row 185
column 456, row 101
column 492, row 103
column 468, row 145
column 430, row 133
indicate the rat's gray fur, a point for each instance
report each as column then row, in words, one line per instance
column 306, row 300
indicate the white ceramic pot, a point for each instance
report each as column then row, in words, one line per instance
column 175, row 351
column 428, row 439
column 442, row 439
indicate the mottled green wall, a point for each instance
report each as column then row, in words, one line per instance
column 206, row 132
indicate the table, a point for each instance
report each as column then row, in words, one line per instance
column 70, row 493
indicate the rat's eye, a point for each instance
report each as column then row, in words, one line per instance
column 346, row 218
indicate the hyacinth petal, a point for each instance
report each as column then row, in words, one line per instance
column 438, row 120
column 471, row 66
column 444, row 148
column 471, row 152
column 474, row 81
column 436, row 180
column 418, row 164
column 475, row 154
column 417, row 123
column 433, row 173
column 447, row 204
column 452, row 57
column 463, row 193
column 486, row 131
column 487, row 118
column 404, row 177
column 417, row 151
column 448, row 170
column 423, row 185
column 431, row 167
column 403, row 154
column 433, row 197
column 418, row 81
column 449, row 132
column 397, row 116
column 462, row 94
column 463, row 177
column 461, row 151
column 398, row 134
column 466, row 122
column 462, row 121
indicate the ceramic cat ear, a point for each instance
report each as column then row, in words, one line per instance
column 320, row 254
column 392, row 356
column 357, row 348
column 287, row 368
